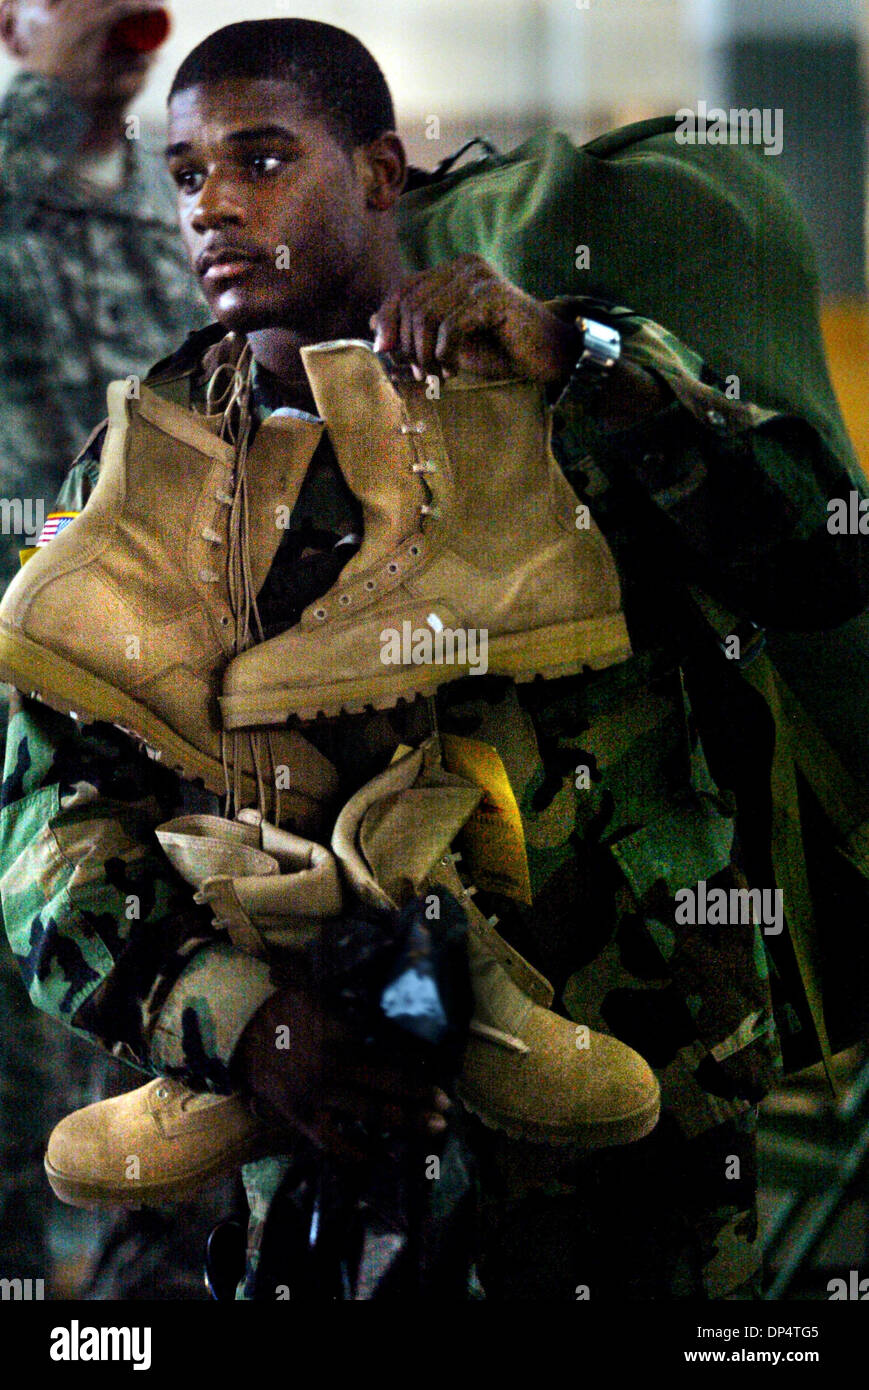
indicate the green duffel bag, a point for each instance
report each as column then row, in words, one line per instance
column 705, row 240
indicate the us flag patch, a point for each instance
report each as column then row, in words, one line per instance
column 55, row 522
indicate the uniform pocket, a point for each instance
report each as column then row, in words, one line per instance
column 61, row 964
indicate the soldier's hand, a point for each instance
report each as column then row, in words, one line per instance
column 464, row 316
column 303, row 1067
column 66, row 40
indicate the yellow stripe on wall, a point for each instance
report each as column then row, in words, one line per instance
column 845, row 326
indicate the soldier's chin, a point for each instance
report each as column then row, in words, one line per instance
column 123, row 82
column 240, row 309
column 244, row 310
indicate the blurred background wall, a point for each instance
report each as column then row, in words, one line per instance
column 502, row 64
column 503, row 67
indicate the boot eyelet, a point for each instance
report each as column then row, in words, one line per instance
column 344, row 600
column 320, row 613
column 392, row 567
column 414, row 550
column 370, row 585
column 162, row 1093
column 224, row 622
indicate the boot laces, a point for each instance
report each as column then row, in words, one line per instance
column 232, row 396
column 497, row 1035
column 422, row 466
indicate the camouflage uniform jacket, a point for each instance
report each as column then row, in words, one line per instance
column 94, row 285
column 108, row 940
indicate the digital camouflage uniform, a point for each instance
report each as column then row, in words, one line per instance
column 94, row 285
column 691, row 493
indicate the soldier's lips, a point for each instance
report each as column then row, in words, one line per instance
column 233, row 268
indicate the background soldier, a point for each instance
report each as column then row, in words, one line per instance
column 94, row 285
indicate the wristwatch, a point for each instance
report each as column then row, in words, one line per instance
column 601, row 350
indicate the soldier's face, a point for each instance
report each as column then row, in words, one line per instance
column 272, row 208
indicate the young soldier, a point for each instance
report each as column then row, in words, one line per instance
column 288, row 174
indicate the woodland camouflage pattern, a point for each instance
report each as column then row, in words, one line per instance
column 709, row 489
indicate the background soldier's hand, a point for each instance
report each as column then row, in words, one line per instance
column 66, row 40
column 464, row 316
column 325, row 1079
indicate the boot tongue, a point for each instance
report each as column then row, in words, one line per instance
column 403, row 835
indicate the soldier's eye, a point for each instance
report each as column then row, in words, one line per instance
column 188, row 180
column 264, row 163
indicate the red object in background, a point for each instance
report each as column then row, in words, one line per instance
column 140, row 33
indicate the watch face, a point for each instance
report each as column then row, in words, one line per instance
column 602, row 345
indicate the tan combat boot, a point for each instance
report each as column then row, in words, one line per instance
column 526, row 1070
column 160, row 1143
column 268, row 889
column 470, row 538
column 131, row 613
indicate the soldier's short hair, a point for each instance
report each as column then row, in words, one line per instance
column 335, row 74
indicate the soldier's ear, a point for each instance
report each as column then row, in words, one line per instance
column 383, row 165
column 9, row 35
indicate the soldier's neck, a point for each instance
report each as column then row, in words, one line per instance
column 279, row 349
column 104, row 135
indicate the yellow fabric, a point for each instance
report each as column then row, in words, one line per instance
column 493, row 838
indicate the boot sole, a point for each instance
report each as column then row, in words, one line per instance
column 70, row 689
column 563, row 649
column 596, row 1134
column 95, row 1196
